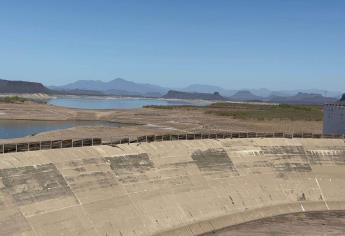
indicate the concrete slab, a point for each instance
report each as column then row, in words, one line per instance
column 172, row 188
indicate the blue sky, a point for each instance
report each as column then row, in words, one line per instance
column 276, row 44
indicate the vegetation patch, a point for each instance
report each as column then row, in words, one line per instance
column 267, row 112
column 12, row 99
column 17, row 99
column 246, row 111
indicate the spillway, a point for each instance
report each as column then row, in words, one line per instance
column 168, row 188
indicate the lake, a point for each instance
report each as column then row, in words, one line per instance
column 21, row 128
column 117, row 103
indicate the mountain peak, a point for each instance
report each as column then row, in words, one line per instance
column 245, row 95
column 118, row 80
column 342, row 99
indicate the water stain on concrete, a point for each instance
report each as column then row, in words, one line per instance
column 34, row 183
column 295, row 167
column 214, row 160
column 283, row 150
column 125, row 166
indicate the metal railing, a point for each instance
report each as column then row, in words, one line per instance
column 225, row 135
column 82, row 142
column 46, row 145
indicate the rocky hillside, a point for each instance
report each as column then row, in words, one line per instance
column 7, row 86
column 172, row 94
column 245, row 95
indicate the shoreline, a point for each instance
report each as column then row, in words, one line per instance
column 143, row 121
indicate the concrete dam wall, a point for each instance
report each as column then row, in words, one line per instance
column 167, row 188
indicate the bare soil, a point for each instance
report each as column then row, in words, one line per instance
column 145, row 121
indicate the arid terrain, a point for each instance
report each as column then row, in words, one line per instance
column 147, row 121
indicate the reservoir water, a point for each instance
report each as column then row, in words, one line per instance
column 21, row 128
column 114, row 103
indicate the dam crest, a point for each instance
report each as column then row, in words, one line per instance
column 184, row 187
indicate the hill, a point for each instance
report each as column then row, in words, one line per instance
column 172, row 94
column 245, row 95
column 7, row 86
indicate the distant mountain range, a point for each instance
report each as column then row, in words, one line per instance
column 121, row 87
column 262, row 92
column 247, row 96
column 124, row 87
column 302, row 98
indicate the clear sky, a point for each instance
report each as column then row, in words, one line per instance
column 276, row 44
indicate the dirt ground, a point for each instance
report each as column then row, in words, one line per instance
column 313, row 223
column 144, row 121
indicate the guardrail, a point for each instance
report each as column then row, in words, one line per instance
column 196, row 136
column 70, row 143
column 51, row 144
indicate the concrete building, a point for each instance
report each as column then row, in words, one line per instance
column 334, row 117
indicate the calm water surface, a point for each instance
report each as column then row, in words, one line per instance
column 112, row 103
column 21, row 128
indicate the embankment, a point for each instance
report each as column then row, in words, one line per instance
column 171, row 188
